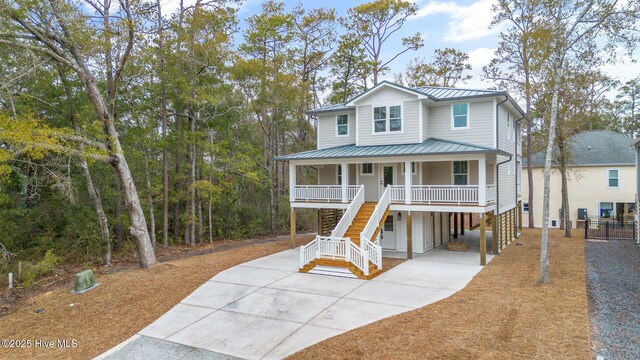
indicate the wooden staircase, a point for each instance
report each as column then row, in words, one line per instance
column 353, row 232
column 328, row 219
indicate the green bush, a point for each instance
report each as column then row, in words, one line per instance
column 32, row 272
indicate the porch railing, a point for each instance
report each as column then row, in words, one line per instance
column 323, row 193
column 441, row 194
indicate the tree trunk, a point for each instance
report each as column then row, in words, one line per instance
column 544, row 241
column 529, row 148
column 176, row 187
column 165, row 154
column 119, row 227
column 565, row 202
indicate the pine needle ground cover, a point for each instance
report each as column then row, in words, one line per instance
column 502, row 314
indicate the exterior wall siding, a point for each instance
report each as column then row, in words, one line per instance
column 327, row 130
column 481, row 124
column 587, row 188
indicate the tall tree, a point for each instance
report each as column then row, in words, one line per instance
column 375, row 23
column 520, row 54
column 447, row 69
column 575, row 29
column 349, row 68
column 62, row 33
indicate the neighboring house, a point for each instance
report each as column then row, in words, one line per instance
column 601, row 180
column 399, row 163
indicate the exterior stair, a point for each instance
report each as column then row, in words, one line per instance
column 334, row 268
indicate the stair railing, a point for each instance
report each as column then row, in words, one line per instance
column 349, row 214
column 375, row 251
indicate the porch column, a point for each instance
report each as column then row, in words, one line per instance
column 292, row 182
column 482, row 181
column 483, row 239
column 345, row 181
column 293, row 227
column 407, row 182
column 409, row 234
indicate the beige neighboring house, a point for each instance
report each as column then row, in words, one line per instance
column 601, row 180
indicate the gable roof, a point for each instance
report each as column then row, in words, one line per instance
column 595, row 147
column 431, row 146
column 433, row 93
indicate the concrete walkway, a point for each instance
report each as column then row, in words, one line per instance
column 265, row 309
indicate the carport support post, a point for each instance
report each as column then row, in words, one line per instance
column 293, row 227
column 494, row 235
column 461, row 223
column 455, row 225
column 520, row 216
column 409, row 237
column 483, row 239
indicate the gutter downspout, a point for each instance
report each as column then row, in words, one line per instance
column 497, row 179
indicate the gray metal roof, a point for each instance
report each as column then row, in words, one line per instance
column 595, row 147
column 445, row 93
column 431, row 146
column 435, row 93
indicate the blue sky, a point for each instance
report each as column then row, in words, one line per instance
column 461, row 24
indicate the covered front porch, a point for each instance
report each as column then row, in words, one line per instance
column 432, row 182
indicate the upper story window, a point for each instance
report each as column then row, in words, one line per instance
column 342, row 125
column 460, row 173
column 367, row 169
column 613, row 178
column 460, row 116
column 387, row 119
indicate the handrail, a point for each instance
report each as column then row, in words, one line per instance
column 308, row 252
column 359, row 258
column 376, row 216
column 349, row 214
column 374, row 251
column 323, row 193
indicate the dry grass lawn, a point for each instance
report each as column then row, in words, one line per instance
column 502, row 314
column 124, row 303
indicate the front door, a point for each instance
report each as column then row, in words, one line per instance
column 387, row 176
column 388, row 233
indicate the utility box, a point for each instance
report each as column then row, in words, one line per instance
column 582, row 214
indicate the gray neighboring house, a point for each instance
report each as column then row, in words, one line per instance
column 602, row 179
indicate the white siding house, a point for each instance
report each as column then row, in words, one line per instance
column 412, row 160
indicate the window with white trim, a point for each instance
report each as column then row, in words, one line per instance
column 460, row 172
column 613, row 178
column 342, row 125
column 413, row 168
column 366, row 169
column 460, row 116
column 387, row 119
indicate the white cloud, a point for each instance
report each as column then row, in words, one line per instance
column 623, row 69
column 466, row 22
column 479, row 58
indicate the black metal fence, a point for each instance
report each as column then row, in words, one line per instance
column 609, row 230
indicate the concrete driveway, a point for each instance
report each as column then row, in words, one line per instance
column 265, row 309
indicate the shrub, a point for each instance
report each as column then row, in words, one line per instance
column 32, row 272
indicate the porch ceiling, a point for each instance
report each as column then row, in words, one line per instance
column 431, row 146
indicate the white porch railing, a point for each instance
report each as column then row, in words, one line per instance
column 441, row 194
column 331, row 247
column 366, row 235
column 323, row 193
column 358, row 258
column 349, row 214
column 491, row 193
column 308, row 252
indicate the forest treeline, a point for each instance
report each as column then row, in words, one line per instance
column 123, row 128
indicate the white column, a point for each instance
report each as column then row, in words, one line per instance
column 482, row 181
column 292, row 182
column 345, row 181
column 407, row 182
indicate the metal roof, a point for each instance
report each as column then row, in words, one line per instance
column 445, row 93
column 431, row 146
column 434, row 93
column 595, row 147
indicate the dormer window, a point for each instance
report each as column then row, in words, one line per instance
column 460, row 116
column 387, row 119
column 342, row 125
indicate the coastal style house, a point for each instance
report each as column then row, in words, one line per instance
column 601, row 180
column 396, row 165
